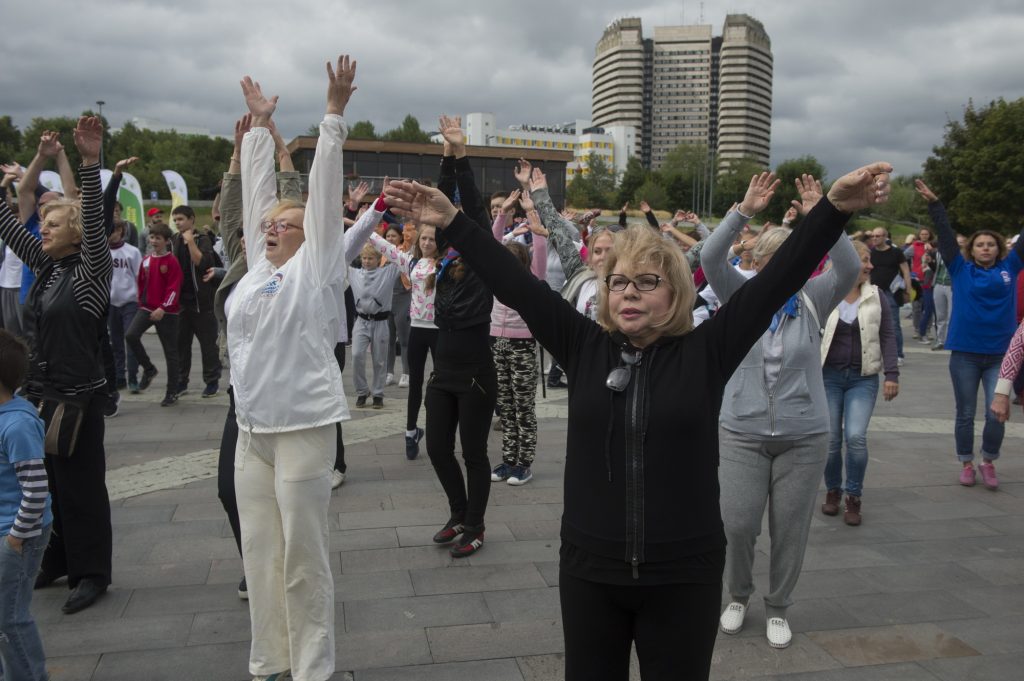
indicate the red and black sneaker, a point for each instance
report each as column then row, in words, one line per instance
column 452, row 529
column 468, row 544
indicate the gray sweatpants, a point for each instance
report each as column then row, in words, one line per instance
column 372, row 335
column 943, row 297
column 11, row 311
column 784, row 475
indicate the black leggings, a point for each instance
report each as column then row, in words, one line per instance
column 339, row 457
column 673, row 626
column 226, row 470
column 420, row 342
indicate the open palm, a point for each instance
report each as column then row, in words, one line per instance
column 259, row 105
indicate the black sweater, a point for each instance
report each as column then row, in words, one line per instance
column 641, row 471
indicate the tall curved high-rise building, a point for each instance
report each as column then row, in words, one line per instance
column 687, row 86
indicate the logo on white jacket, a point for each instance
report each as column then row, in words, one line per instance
column 272, row 287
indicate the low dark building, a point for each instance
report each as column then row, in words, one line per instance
column 493, row 166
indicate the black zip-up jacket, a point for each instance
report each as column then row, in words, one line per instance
column 195, row 293
column 641, row 469
column 466, row 302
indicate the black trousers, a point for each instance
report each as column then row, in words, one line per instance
column 462, row 399
column 82, row 540
column 339, row 458
column 421, row 341
column 226, row 470
column 167, row 331
column 673, row 625
column 202, row 325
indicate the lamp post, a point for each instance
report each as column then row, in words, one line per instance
column 100, row 103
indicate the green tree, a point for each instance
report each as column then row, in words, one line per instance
column 62, row 124
column 10, row 139
column 682, row 166
column 653, row 193
column 634, row 176
column 594, row 188
column 361, row 130
column 408, row 131
column 732, row 182
column 978, row 172
column 787, row 172
column 903, row 204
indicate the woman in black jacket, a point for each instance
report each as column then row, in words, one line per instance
column 462, row 390
column 642, row 541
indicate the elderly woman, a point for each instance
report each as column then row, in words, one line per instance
column 642, row 544
column 64, row 313
column 774, row 425
column 282, row 320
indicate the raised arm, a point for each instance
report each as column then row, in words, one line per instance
column 49, row 145
column 67, row 175
column 95, row 251
column 832, row 286
column 390, row 251
column 561, row 233
column 652, row 220
column 231, row 213
column 356, row 235
column 284, row 157
column 259, row 192
column 507, row 206
column 948, row 247
column 110, row 193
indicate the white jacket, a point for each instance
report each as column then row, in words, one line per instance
column 283, row 322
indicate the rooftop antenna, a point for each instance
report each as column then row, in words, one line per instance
column 702, row 12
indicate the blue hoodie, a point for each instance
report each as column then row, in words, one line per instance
column 21, row 439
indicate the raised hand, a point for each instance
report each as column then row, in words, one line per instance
column 862, row 188
column 522, row 229
column 925, row 192
column 242, row 126
column 339, row 84
column 526, row 202
column 522, row 172
column 13, row 169
column 260, row 107
column 760, row 191
column 124, row 163
column 790, row 215
column 645, row 207
column 49, row 144
column 89, row 139
column 810, row 193
column 451, row 129
column 423, row 204
column 570, row 214
column 533, row 221
column 509, row 204
column 356, row 192
column 538, row 180
column 625, row 207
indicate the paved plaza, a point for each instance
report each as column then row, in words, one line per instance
column 930, row 587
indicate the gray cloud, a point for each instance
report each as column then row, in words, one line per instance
column 853, row 82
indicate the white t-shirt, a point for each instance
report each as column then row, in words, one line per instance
column 10, row 273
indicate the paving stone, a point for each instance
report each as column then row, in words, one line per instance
column 752, row 657
column 541, row 550
column 484, row 670
column 894, row 578
column 524, row 604
column 536, row 529
column 999, row 571
column 829, row 583
column 183, row 599
column 549, row 571
column 192, row 548
column 423, row 535
column 119, row 515
column 886, row 672
column 402, row 558
column 417, row 612
column 507, row 495
column 354, row 540
column 507, row 514
column 221, row 662
column 995, row 600
column 71, row 667
column 930, row 510
column 830, row 557
column 905, row 608
column 208, row 510
column 370, row 649
column 394, row 584
column 220, row 627
column 371, row 519
column 948, row 529
column 500, row 639
column 987, row 668
column 884, row 645
column 814, row 614
column 469, row 579
column 990, row 636
column 162, row 574
column 46, row 604
column 89, row 637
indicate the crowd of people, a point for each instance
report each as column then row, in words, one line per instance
column 766, row 344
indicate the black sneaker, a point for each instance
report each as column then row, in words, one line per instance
column 133, row 387
column 211, row 389
column 243, row 590
column 169, row 399
column 452, row 529
column 361, row 400
column 111, row 407
column 378, row 402
column 557, row 384
column 147, row 377
column 468, row 544
column 412, row 444
column 181, row 390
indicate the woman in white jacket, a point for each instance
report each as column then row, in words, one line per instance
column 282, row 322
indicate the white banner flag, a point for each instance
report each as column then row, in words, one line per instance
column 179, row 192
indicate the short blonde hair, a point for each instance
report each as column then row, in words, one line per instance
column 283, row 205
column 769, row 242
column 861, row 248
column 74, row 214
column 370, row 250
column 638, row 249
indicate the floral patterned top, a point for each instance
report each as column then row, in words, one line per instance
column 421, row 307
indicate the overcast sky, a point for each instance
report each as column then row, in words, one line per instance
column 854, row 81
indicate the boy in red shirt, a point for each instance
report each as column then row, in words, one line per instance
column 159, row 292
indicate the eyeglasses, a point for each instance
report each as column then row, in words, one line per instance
column 618, row 379
column 643, row 282
column 276, row 226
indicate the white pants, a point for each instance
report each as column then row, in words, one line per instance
column 283, row 486
column 373, row 335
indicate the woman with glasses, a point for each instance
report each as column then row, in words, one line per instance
column 642, row 541
column 774, row 425
column 282, row 326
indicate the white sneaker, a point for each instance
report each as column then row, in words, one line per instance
column 389, row 379
column 403, row 382
column 337, row 477
column 731, row 621
column 778, row 633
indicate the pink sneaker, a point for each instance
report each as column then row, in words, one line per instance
column 988, row 475
column 967, row 476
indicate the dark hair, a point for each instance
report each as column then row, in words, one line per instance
column 520, row 251
column 1000, row 244
column 184, row 210
column 118, row 225
column 393, row 227
column 13, row 361
column 160, row 229
column 119, row 206
column 498, row 195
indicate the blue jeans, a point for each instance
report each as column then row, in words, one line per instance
column 851, row 400
column 21, row 649
column 968, row 369
column 894, row 310
column 119, row 319
column 927, row 310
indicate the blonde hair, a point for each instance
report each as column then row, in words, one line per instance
column 370, row 250
column 74, row 214
column 769, row 242
column 638, row 249
column 283, row 205
column 861, row 248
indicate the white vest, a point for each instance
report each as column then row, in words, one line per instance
column 869, row 319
